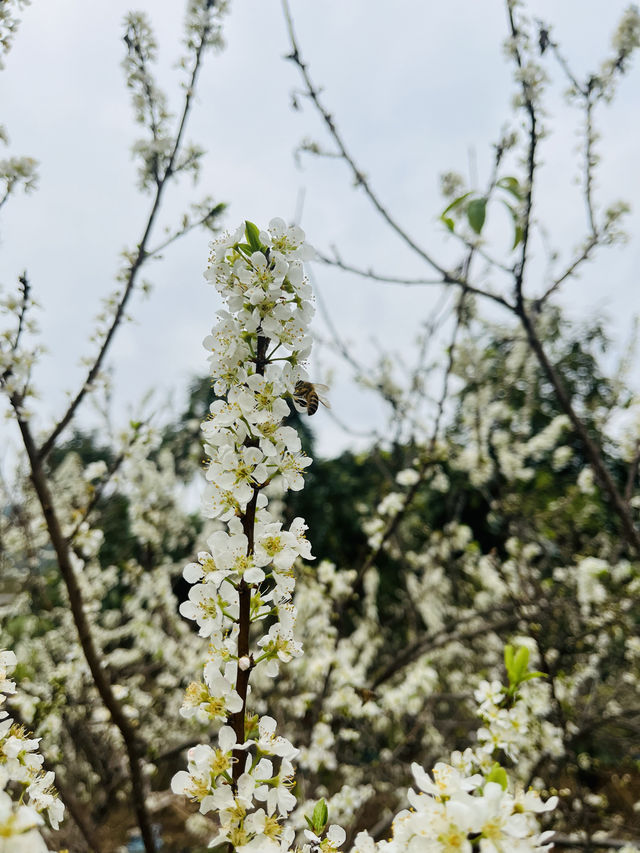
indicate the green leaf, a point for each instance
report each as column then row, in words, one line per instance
column 509, row 652
column 521, row 662
column 512, row 210
column 448, row 222
column 535, row 674
column 511, row 185
column 320, row 816
column 518, row 237
column 476, row 213
column 253, row 236
column 456, row 202
column 518, row 232
column 498, row 774
column 246, row 248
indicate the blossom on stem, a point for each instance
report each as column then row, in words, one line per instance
column 21, row 766
column 257, row 350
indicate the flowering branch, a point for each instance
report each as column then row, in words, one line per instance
column 530, row 79
column 100, row 677
column 207, row 35
column 257, row 352
column 21, row 766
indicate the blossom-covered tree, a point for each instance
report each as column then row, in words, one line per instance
column 468, row 629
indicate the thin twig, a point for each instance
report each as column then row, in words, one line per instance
column 95, row 497
column 25, row 288
column 573, row 266
column 592, row 449
column 140, row 258
column 359, row 177
column 181, row 233
column 414, row 282
column 443, row 638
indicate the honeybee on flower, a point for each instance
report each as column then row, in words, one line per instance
column 307, row 399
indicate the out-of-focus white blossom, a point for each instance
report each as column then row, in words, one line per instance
column 21, row 766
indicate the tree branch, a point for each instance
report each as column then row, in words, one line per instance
column 592, row 450
column 140, row 258
column 360, row 179
column 76, row 603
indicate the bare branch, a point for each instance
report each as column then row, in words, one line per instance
column 592, row 450
column 632, row 473
column 313, row 93
column 573, row 266
column 140, row 257
column 413, row 282
column 25, row 287
column 443, row 638
column 204, row 220
column 97, row 494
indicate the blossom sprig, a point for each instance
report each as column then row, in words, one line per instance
column 469, row 803
column 257, row 352
column 18, row 351
column 323, row 838
column 21, row 767
column 9, row 25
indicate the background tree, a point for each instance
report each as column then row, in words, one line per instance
column 500, row 507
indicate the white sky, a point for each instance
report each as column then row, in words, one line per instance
column 414, row 86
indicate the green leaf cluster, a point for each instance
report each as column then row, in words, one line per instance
column 472, row 207
column 319, row 818
column 516, row 662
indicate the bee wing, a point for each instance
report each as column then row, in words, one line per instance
column 320, row 387
column 324, row 400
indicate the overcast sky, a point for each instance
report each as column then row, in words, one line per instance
column 417, row 87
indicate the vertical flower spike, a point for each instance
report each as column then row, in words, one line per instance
column 257, row 351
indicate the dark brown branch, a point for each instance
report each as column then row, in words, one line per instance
column 133, row 45
column 76, row 603
column 413, row 282
column 25, row 288
column 562, row 62
column 244, row 597
column 632, row 473
column 591, row 449
column 588, row 162
column 95, row 497
column 437, row 641
column 573, row 266
column 447, row 374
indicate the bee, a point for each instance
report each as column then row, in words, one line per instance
column 306, row 397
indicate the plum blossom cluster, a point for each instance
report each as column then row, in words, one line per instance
column 21, row 771
column 241, row 598
column 469, row 804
